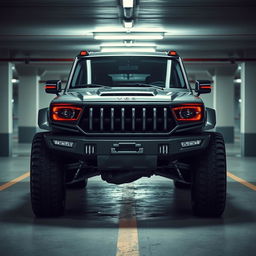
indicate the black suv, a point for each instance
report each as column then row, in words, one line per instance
column 125, row 116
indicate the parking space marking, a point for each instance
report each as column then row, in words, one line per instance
column 14, row 181
column 242, row 181
column 127, row 244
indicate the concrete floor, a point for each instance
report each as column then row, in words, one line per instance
column 165, row 225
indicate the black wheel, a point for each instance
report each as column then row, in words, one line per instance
column 208, row 190
column 47, row 184
column 78, row 185
column 181, row 185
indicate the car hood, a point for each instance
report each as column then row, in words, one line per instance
column 127, row 95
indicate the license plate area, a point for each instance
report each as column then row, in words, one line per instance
column 127, row 148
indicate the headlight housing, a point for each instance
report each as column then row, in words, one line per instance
column 188, row 112
column 65, row 112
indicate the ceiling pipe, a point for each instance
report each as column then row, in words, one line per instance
column 232, row 60
column 28, row 60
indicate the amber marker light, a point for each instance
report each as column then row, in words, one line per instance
column 172, row 53
column 206, row 87
column 84, row 53
column 50, row 87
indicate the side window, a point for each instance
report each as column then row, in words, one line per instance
column 80, row 75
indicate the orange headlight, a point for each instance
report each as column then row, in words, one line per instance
column 65, row 112
column 188, row 112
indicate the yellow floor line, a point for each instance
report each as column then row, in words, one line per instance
column 14, row 181
column 242, row 181
column 127, row 244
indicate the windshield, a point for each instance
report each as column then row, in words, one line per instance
column 128, row 71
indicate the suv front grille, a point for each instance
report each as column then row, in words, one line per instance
column 127, row 119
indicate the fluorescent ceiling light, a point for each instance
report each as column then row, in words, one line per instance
column 148, row 29
column 118, row 29
column 238, row 81
column 15, row 80
column 128, row 24
column 125, row 49
column 128, row 44
column 128, row 36
column 127, row 3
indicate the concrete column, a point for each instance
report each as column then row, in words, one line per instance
column 6, row 109
column 223, row 99
column 28, row 104
column 248, row 107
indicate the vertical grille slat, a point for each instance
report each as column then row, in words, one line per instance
column 144, row 119
column 154, row 119
column 112, row 116
column 133, row 119
column 90, row 119
column 122, row 118
column 165, row 119
column 128, row 119
column 101, row 119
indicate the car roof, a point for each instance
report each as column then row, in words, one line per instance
column 105, row 54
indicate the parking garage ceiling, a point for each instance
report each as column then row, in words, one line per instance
column 54, row 28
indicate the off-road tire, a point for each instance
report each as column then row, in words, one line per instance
column 78, row 185
column 181, row 185
column 208, row 190
column 47, row 184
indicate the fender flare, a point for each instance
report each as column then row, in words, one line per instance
column 210, row 119
column 43, row 119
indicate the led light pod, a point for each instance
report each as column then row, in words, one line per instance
column 191, row 143
column 62, row 143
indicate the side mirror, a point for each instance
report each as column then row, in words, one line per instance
column 203, row 86
column 53, row 86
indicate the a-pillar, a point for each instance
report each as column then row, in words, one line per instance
column 248, row 107
column 6, row 127
column 28, row 103
column 223, row 92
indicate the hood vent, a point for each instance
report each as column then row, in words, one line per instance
column 127, row 94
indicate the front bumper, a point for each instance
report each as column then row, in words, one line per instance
column 125, row 153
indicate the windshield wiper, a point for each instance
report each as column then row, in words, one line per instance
column 89, row 86
column 149, row 85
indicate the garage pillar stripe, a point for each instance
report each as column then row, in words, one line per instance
column 224, row 102
column 6, row 109
column 248, row 105
column 28, row 103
